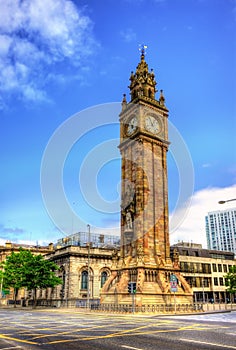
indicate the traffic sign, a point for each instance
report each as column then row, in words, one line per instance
column 173, row 278
column 173, row 283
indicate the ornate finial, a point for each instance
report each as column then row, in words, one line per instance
column 124, row 102
column 142, row 50
column 162, row 98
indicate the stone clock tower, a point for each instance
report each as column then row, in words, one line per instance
column 145, row 248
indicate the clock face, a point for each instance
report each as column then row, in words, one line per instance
column 132, row 126
column 151, row 124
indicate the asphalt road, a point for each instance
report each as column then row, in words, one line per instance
column 73, row 329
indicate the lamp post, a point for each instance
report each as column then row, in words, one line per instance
column 88, row 283
column 228, row 200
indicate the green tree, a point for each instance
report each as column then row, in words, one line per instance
column 12, row 275
column 1, row 279
column 230, row 280
column 40, row 273
column 25, row 270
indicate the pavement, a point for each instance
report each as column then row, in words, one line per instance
column 229, row 308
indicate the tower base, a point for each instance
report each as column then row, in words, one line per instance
column 153, row 288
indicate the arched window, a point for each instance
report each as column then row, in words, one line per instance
column 103, row 278
column 84, row 280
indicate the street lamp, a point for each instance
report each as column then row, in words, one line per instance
column 88, row 282
column 228, row 200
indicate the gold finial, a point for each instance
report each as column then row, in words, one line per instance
column 142, row 49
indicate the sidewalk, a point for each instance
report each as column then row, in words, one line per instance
column 219, row 307
column 207, row 309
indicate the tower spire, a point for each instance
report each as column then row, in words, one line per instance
column 142, row 82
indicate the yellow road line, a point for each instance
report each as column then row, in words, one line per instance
column 2, row 336
column 124, row 332
column 80, row 330
column 127, row 333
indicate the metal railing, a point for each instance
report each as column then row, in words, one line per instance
column 95, row 306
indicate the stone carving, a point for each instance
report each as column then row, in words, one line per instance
column 128, row 221
column 140, row 253
column 176, row 258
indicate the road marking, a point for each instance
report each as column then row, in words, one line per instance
column 69, row 332
column 203, row 342
column 2, row 336
column 77, row 330
column 130, row 347
column 124, row 333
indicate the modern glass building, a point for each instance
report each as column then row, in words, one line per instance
column 221, row 230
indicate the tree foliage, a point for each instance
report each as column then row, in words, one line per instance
column 12, row 276
column 230, row 280
column 40, row 274
column 25, row 270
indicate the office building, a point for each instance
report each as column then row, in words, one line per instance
column 221, row 230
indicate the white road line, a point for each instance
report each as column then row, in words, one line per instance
column 130, row 347
column 203, row 342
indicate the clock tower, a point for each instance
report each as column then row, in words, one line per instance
column 145, row 247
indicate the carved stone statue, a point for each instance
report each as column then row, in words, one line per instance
column 128, row 221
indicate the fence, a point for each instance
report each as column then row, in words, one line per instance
column 155, row 309
column 95, row 306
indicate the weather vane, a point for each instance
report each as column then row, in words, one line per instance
column 142, row 49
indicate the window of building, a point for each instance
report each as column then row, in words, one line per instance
column 103, row 278
column 199, row 267
column 185, row 252
column 225, row 268
column 198, row 282
column 191, row 267
column 84, row 280
column 221, row 281
column 219, row 267
column 205, row 282
column 214, row 268
column 206, row 268
column 193, row 282
column 215, row 281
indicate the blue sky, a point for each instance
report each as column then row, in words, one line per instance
column 60, row 57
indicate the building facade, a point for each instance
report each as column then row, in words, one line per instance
column 85, row 261
column 205, row 271
column 83, row 270
column 221, row 230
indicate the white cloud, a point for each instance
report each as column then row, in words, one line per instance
column 36, row 36
column 206, row 165
column 128, row 35
column 203, row 201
